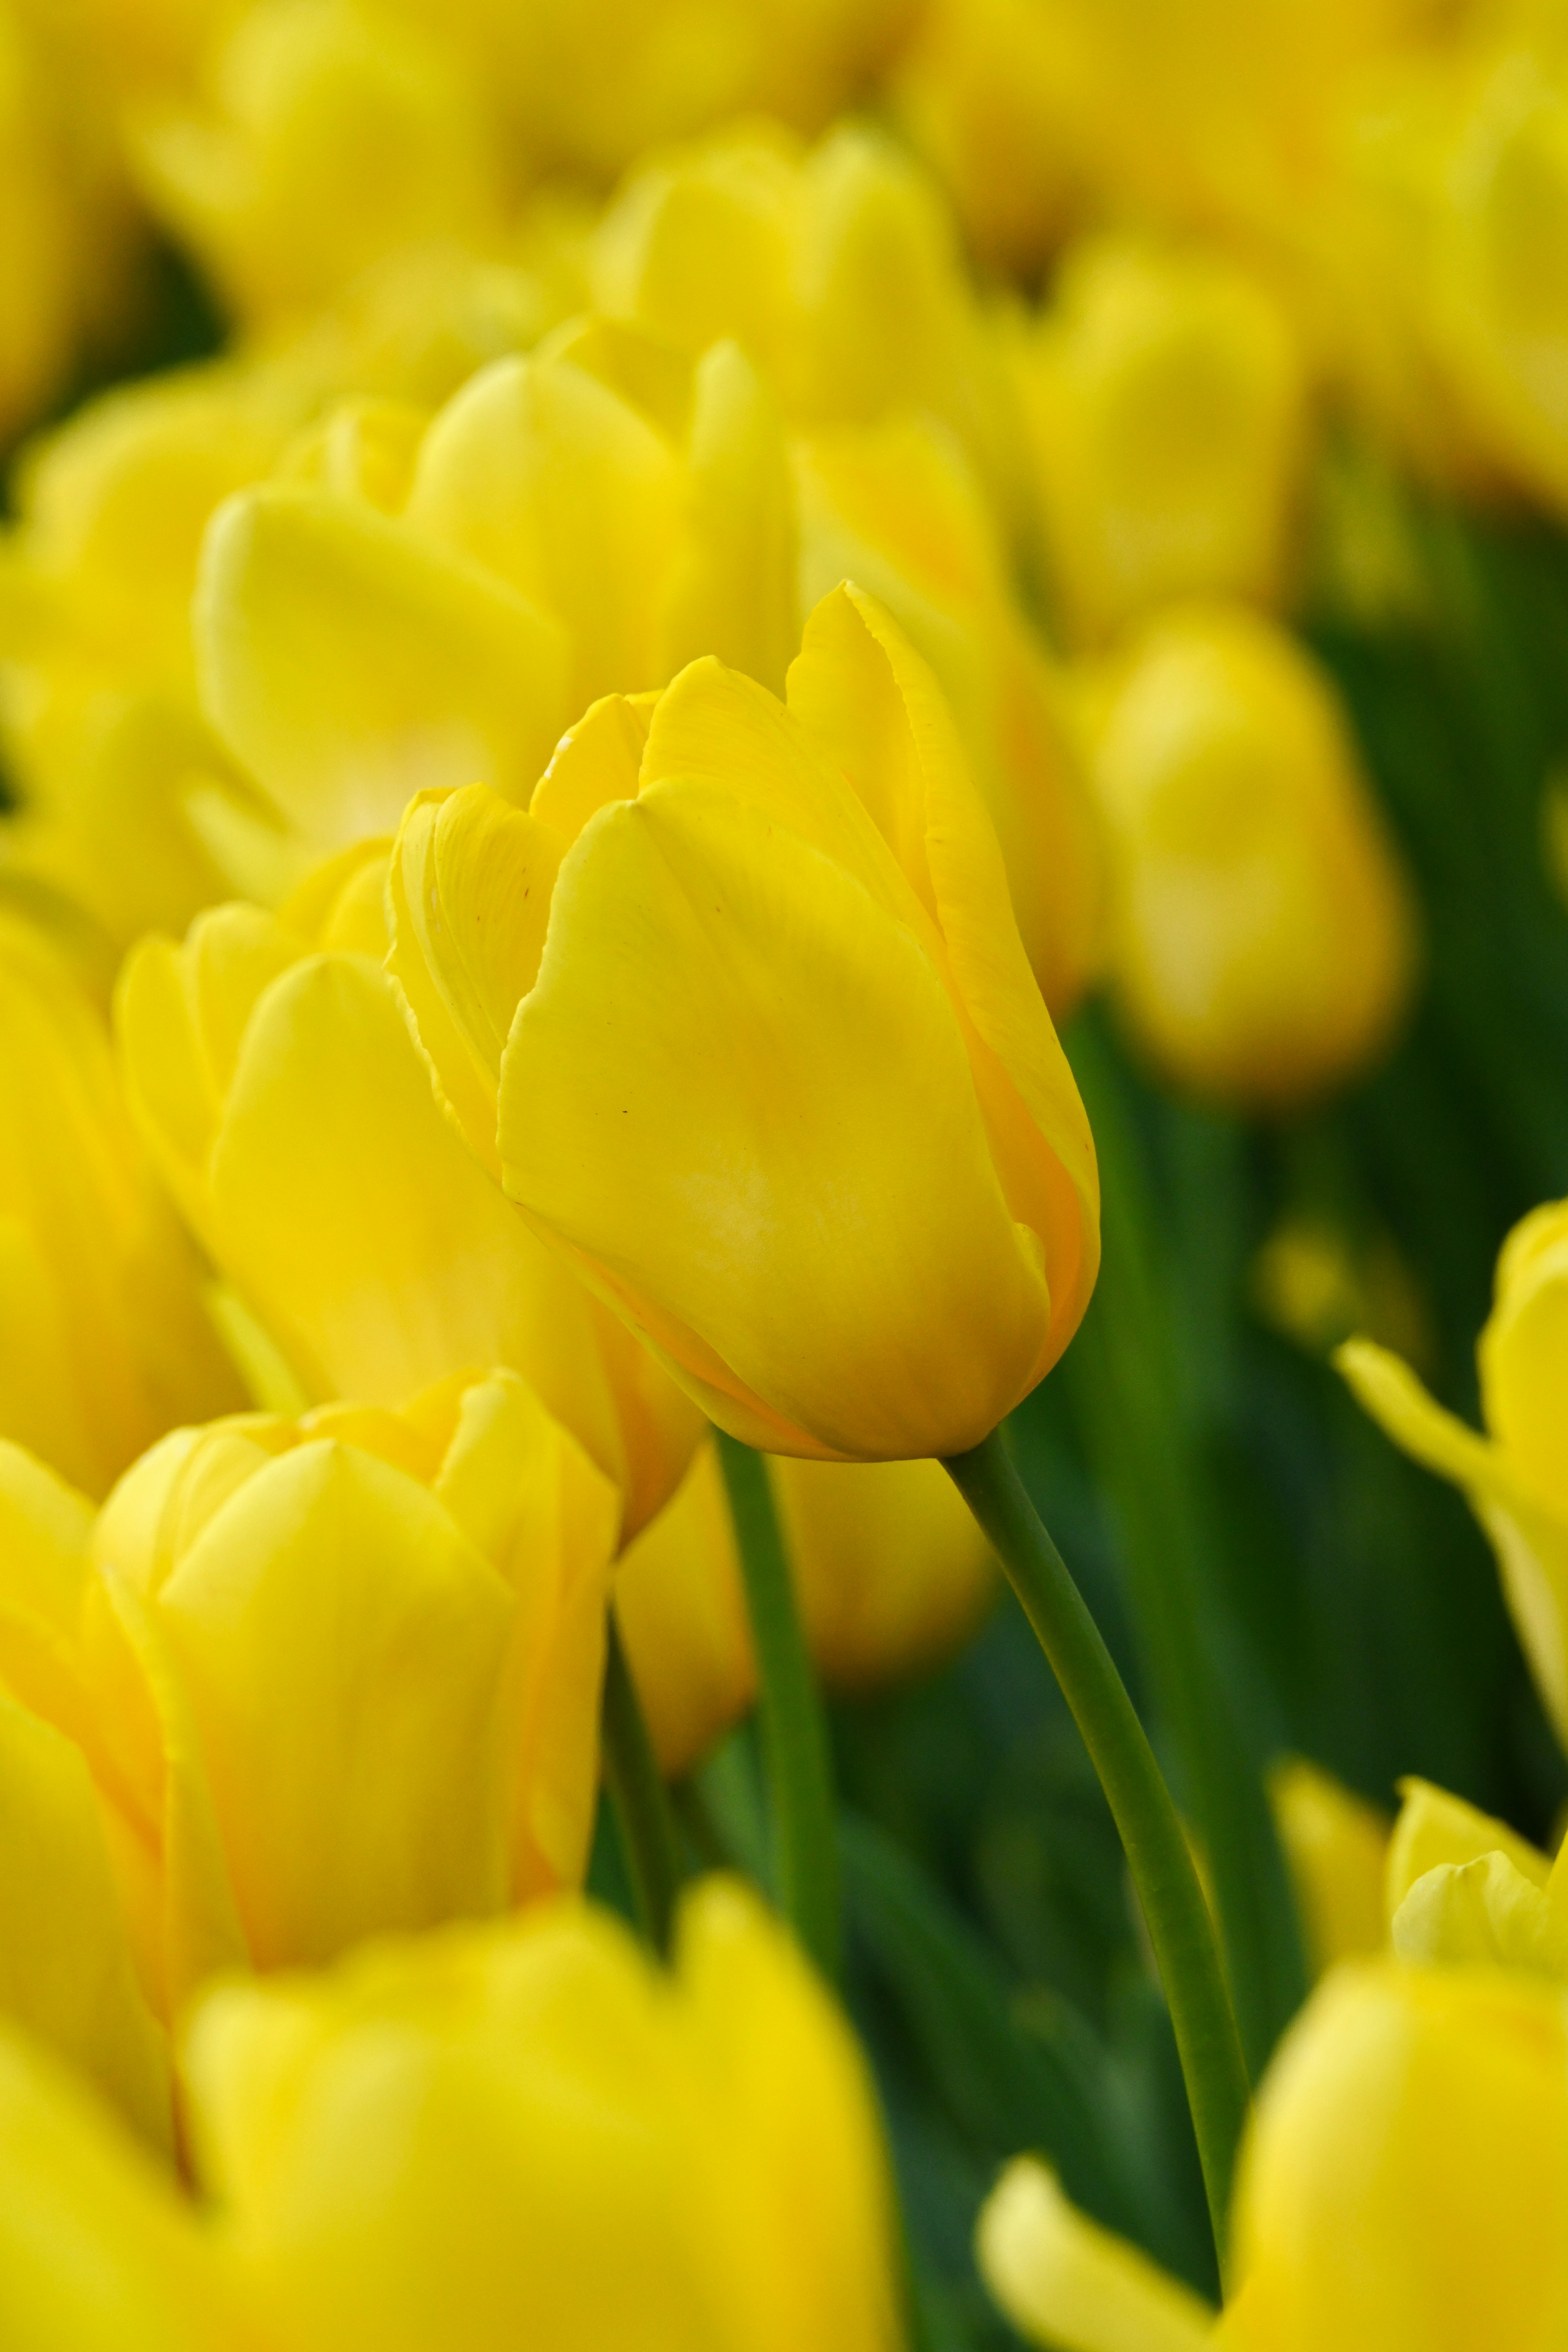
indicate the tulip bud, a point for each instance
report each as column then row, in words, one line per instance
column 1167, row 399
column 343, row 1672
column 266, row 1060
column 103, row 1340
column 1262, row 934
column 1514, row 1477
column 527, row 2132
column 891, row 1575
column 778, row 1079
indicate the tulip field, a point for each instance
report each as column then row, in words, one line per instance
column 784, row 1176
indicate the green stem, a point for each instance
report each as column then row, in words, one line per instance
column 1177, row 1914
column 649, row 1840
column 795, row 1727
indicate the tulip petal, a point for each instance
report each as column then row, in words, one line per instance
column 859, row 687
column 833, row 1152
column 350, row 666
column 541, row 474
column 1065, row 2283
column 66, row 1971
column 734, row 593
column 471, row 881
column 341, row 1650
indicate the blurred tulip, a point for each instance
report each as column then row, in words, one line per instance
column 68, row 1966
column 1515, row 1478
column 323, row 137
column 130, row 803
column 891, row 1574
column 1404, row 2189
column 836, row 269
column 1465, row 1890
column 104, row 1342
column 340, row 1675
column 98, row 2254
column 1336, row 1845
column 529, row 2131
column 1166, row 396
column 896, row 508
column 988, row 93
column 778, row 1080
column 1262, row 934
column 68, row 230
column 588, row 86
column 268, row 1062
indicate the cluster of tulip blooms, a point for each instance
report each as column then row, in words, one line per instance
column 563, row 784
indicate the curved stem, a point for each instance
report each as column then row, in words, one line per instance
column 649, row 1840
column 1180, row 1928
column 795, row 1727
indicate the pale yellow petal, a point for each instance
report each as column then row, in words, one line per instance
column 1436, row 1830
column 349, row 665
column 1068, row 2284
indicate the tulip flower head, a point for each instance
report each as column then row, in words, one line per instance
column 1515, row 1478
column 740, row 1013
column 1404, row 2189
column 527, row 2130
column 267, row 1059
column 1262, row 935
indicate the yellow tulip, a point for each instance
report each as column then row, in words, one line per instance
column 1404, row 2189
column 778, row 1080
column 1466, row 1890
column 131, row 803
column 1165, row 391
column 63, row 203
column 68, row 1966
column 1336, row 1845
column 896, row 508
column 98, row 2254
column 268, row 1060
column 588, row 86
column 835, row 268
column 320, row 138
column 987, row 93
column 527, row 2132
column 1262, row 935
column 104, row 1343
column 1513, row 1477
column 891, row 1575
column 340, row 1675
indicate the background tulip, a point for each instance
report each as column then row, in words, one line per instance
column 815, row 1047
column 1166, row 396
column 455, row 2134
column 1403, row 2188
column 891, row 1573
column 97, row 2252
column 103, row 1339
column 267, row 1059
column 1261, row 936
